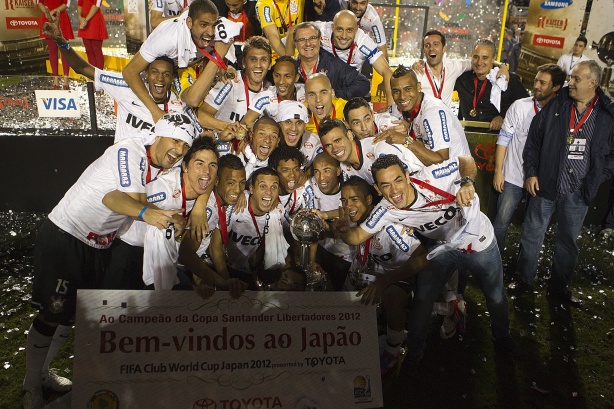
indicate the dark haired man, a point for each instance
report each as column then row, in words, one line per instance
column 567, row 62
column 293, row 117
column 264, row 138
column 440, row 203
column 365, row 123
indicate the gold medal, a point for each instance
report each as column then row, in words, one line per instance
column 473, row 113
column 240, row 135
column 570, row 139
column 229, row 75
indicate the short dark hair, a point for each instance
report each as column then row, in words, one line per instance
column 201, row 144
column 355, row 103
column 265, row 120
column 582, row 39
column 266, row 171
column 289, row 59
column 384, row 162
column 199, row 7
column 402, row 71
column 329, row 124
column 360, row 184
column 284, row 152
column 557, row 75
column 301, row 272
column 327, row 158
column 432, row 33
column 165, row 59
column 257, row 43
column 230, row 162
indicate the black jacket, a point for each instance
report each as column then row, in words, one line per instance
column 546, row 146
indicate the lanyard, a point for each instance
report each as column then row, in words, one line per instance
column 363, row 257
column 183, row 196
column 572, row 117
column 221, row 214
column 476, row 97
column 246, row 88
column 436, row 91
column 315, row 120
column 293, row 198
column 349, row 60
column 215, row 57
column 412, row 116
column 315, row 67
column 148, row 175
column 359, row 154
column 447, row 197
column 281, row 17
column 535, row 106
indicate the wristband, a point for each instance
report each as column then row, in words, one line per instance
column 65, row 46
column 140, row 216
column 466, row 179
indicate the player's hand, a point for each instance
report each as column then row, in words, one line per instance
column 465, row 195
column 231, row 131
column 372, row 294
column 179, row 223
column 318, row 6
column 229, row 75
column 504, row 70
column 241, row 203
column 157, row 114
column 532, row 185
column 342, row 223
column 236, row 287
column 496, row 123
column 390, row 136
column 498, row 181
column 161, row 219
column 199, row 225
column 204, row 290
column 418, row 67
column 400, row 125
column 381, row 90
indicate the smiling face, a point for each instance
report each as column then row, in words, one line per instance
column 543, row 88
column 393, row 184
column 581, row 85
column 284, row 77
column 199, row 173
column 356, row 203
column 307, row 43
column 264, row 194
column 289, row 174
column 293, row 130
column 358, row 7
column 406, row 92
column 433, row 49
column 482, row 60
column 256, row 64
column 326, row 174
column 265, row 139
column 230, row 184
column 166, row 152
column 344, row 30
column 159, row 76
column 320, row 96
column 202, row 29
column 338, row 144
column 361, row 122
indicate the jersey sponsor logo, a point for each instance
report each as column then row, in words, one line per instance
column 115, row 81
column 221, row 96
column 190, row 112
column 122, row 167
column 445, row 170
column 267, row 14
column 376, row 34
column 177, row 85
column 397, row 239
column 156, row 197
column 366, row 51
column 444, row 125
column 209, row 213
column 448, row 215
column 261, row 102
column 429, row 133
column 159, row 3
column 376, row 216
column 244, row 240
column 138, row 123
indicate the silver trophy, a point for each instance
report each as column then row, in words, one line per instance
column 306, row 228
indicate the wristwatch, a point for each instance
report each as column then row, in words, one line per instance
column 466, row 179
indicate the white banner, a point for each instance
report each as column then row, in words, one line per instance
column 600, row 23
column 165, row 349
column 57, row 104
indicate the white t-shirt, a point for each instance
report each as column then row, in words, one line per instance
column 513, row 134
column 231, row 101
column 387, row 250
column 133, row 118
column 364, row 48
column 81, row 212
column 369, row 152
column 464, row 229
column 310, row 147
column 452, row 69
column 567, row 62
column 170, row 7
column 438, row 127
column 268, row 103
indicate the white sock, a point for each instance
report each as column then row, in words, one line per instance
column 443, row 308
column 37, row 346
column 394, row 339
column 60, row 337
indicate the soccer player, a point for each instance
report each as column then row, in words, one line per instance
column 369, row 21
column 277, row 17
column 264, row 139
column 365, row 123
column 292, row 118
column 321, row 101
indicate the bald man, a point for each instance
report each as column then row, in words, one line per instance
column 321, row 101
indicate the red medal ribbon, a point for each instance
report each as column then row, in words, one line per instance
column 349, row 61
column 412, row 116
column 436, row 91
column 183, row 198
column 447, row 197
column 535, row 107
column 246, row 87
column 315, row 67
column 148, row 174
column 359, row 154
column 216, row 57
column 293, row 198
column 477, row 97
column 251, row 213
column 315, row 120
column 221, row 214
column 363, row 257
column 281, row 17
column 572, row 117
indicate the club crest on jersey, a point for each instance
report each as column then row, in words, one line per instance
column 122, row 167
column 397, row 239
column 176, row 193
column 293, row 7
column 308, row 145
column 445, row 170
column 376, row 216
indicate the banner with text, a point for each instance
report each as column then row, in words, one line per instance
column 172, row 349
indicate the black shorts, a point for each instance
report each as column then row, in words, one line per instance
column 62, row 265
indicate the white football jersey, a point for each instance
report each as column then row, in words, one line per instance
column 363, row 49
column 81, row 212
column 231, row 100
column 170, row 7
column 267, row 102
column 443, row 84
column 370, row 23
column 310, row 147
